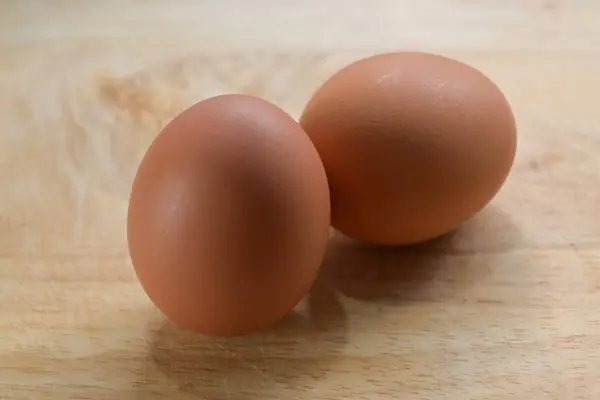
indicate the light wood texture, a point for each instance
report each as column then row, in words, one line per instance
column 508, row 308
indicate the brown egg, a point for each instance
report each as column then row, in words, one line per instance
column 413, row 144
column 229, row 216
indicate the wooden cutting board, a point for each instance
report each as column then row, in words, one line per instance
column 507, row 308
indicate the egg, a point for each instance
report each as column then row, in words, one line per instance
column 413, row 145
column 228, row 216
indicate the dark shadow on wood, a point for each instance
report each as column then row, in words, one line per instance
column 372, row 272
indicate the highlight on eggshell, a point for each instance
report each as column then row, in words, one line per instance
column 229, row 216
column 413, row 145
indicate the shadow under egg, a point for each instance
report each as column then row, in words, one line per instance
column 294, row 352
column 421, row 271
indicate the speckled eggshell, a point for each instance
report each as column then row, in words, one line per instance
column 413, row 145
column 229, row 216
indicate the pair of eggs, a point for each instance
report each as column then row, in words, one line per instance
column 230, row 209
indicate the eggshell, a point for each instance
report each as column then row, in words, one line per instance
column 229, row 216
column 413, row 144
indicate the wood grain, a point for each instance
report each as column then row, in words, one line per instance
column 508, row 307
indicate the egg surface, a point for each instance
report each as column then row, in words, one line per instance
column 413, row 144
column 229, row 216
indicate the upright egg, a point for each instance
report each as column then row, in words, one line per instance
column 413, row 145
column 229, row 216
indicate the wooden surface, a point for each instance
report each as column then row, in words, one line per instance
column 507, row 308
